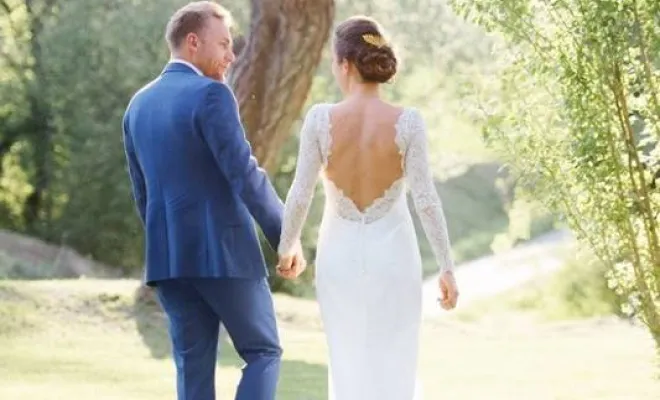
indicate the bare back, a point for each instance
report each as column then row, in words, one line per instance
column 364, row 158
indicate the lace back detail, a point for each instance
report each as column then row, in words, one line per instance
column 347, row 209
column 324, row 137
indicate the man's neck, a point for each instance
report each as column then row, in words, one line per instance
column 181, row 60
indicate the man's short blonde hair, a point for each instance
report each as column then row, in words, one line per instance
column 192, row 18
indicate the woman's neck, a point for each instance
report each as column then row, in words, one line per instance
column 363, row 91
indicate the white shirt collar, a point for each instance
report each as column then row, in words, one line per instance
column 184, row 62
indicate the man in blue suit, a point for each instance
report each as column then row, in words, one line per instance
column 197, row 187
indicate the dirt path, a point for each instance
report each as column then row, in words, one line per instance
column 495, row 274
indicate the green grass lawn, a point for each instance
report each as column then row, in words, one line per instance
column 87, row 339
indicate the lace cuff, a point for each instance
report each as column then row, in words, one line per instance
column 425, row 197
column 301, row 192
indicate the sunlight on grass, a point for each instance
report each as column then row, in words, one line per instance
column 78, row 339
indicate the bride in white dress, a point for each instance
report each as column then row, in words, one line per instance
column 368, row 265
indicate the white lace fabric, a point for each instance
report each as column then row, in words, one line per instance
column 314, row 151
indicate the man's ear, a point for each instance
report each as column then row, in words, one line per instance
column 192, row 40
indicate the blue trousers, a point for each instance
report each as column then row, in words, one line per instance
column 195, row 308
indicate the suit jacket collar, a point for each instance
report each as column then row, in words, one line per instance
column 176, row 65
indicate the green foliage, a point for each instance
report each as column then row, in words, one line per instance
column 90, row 64
column 527, row 219
column 575, row 112
column 93, row 77
column 581, row 290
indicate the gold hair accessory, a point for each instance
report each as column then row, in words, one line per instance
column 374, row 40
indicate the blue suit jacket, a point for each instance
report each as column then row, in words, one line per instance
column 195, row 181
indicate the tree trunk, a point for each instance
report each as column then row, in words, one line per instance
column 41, row 128
column 274, row 70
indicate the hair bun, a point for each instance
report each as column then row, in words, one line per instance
column 376, row 64
column 361, row 41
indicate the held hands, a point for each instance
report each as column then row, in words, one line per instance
column 293, row 264
column 448, row 290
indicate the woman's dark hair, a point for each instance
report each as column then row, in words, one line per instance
column 361, row 41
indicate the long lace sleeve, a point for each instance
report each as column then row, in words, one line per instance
column 306, row 176
column 425, row 197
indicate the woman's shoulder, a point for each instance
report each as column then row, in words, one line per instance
column 402, row 111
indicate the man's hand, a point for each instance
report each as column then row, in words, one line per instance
column 448, row 290
column 292, row 265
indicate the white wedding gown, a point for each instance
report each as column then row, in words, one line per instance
column 368, row 265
